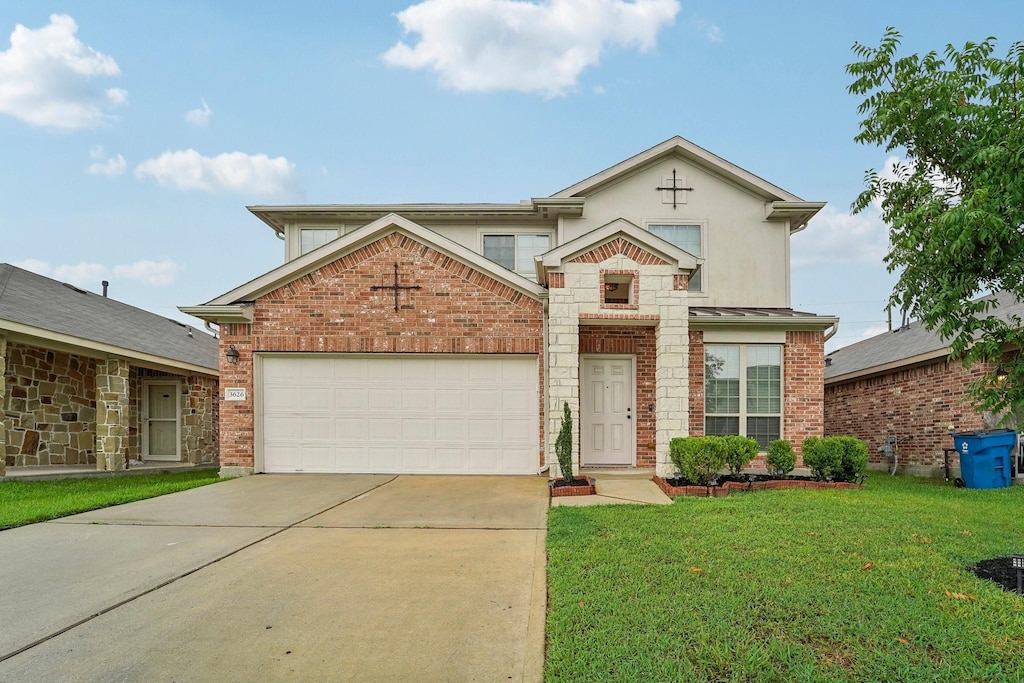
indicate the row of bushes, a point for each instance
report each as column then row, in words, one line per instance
column 700, row 459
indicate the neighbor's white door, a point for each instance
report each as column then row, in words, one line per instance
column 394, row 413
column 160, row 411
column 608, row 424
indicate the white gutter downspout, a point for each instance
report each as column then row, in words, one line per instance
column 544, row 389
column 832, row 332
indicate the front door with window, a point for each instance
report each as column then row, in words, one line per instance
column 607, row 420
column 160, row 414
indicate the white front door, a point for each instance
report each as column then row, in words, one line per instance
column 608, row 424
column 160, row 420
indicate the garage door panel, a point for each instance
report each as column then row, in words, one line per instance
column 393, row 414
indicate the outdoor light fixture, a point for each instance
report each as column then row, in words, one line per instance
column 1001, row 373
column 1018, row 564
column 232, row 354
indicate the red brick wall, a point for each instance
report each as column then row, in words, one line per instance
column 641, row 343
column 458, row 310
column 802, row 387
column 919, row 402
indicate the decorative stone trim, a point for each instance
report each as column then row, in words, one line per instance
column 618, row 246
column 635, row 295
column 589, row 489
column 736, row 486
column 112, row 413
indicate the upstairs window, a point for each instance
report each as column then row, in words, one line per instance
column 313, row 238
column 516, row 251
column 686, row 237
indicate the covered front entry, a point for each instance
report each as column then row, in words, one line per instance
column 161, row 410
column 400, row 413
column 607, row 410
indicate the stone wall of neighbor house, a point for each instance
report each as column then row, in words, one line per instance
column 640, row 342
column 199, row 405
column 50, row 407
column 333, row 310
column 919, row 402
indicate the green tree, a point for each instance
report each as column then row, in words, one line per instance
column 955, row 207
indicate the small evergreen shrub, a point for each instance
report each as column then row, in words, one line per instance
column 781, row 459
column 840, row 458
column 820, row 457
column 563, row 444
column 853, row 457
column 699, row 459
column 740, row 450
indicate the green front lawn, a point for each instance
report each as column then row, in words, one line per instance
column 25, row 502
column 793, row 585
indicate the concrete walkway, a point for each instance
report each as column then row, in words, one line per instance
column 307, row 577
column 618, row 487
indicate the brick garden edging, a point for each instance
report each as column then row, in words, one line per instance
column 581, row 490
column 730, row 486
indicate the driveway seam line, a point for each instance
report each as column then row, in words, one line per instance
column 164, row 584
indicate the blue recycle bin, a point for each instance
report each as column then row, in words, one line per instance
column 985, row 457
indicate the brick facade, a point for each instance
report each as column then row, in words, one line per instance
column 641, row 343
column 918, row 402
column 333, row 310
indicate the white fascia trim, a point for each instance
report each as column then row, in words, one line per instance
column 358, row 239
column 37, row 336
column 220, row 314
column 798, row 213
column 786, row 323
column 606, row 233
column 688, row 150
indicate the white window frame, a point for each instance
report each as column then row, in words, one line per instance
column 339, row 230
column 703, row 225
column 530, row 271
column 743, row 414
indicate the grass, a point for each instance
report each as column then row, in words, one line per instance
column 25, row 502
column 792, row 585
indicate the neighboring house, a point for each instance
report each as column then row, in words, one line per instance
column 89, row 380
column 445, row 338
column 902, row 384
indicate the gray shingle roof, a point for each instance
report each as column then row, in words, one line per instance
column 904, row 344
column 38, row 301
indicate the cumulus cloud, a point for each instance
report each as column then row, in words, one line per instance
column 90, row 275
column 837, row 237
column 47, row 78
column 249, row 174
column 536, row 47
column 105, row 165
column 199, row 117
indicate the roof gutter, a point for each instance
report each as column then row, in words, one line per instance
column 787, row 322
column 236, row 313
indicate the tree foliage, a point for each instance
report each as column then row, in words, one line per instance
column 955, row 207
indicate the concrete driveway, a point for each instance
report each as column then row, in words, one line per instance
column 306, row 577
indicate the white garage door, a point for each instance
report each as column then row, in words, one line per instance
column 400, row 414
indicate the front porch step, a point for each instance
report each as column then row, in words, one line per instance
column 617, row 473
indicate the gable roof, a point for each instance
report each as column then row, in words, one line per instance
column 36, row 307
column 901, row 347
column 227, row 307
column 783, row 205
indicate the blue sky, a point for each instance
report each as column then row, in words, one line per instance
column 135, row 133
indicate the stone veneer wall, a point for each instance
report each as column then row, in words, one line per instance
column 199, row 444
column 50, row 407
column 920, row 402
column 333, row 310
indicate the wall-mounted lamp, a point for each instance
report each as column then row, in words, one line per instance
column 232, row 354
column 1001, row 373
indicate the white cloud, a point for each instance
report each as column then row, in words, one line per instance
column 90, row 275
column 47, row 78
column 712, row 32
column 104, row 165
column 836, row 237
column 537, row 47
column 249, row 174
column 199, row 117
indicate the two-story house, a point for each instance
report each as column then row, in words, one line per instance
column 652, row 297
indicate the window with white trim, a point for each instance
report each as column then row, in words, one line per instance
column 516, row 251
column 314, row 238
column 743, row 391
column 686, row 237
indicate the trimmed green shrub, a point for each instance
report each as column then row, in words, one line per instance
column 853, row 457
column 699, row 459
column 820, row 457
column 781, row 458
column 563, row 444
column 840, row 458
column 740, row 450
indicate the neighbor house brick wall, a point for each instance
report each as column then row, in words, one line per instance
column 50, row 407
column 918, row 402
column 803, row 388
column 641, row 343
column 458, row 310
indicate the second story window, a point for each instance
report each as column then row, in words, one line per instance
column 313, row 238
column 516, row 251
column 687, row 238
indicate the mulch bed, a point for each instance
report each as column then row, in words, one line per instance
column 998, row 570
column 580, row 486
column 674, row 488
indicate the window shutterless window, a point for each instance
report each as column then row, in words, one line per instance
column 743, row 391
column 312, row 238
column 687, row 238
column 516, row 251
